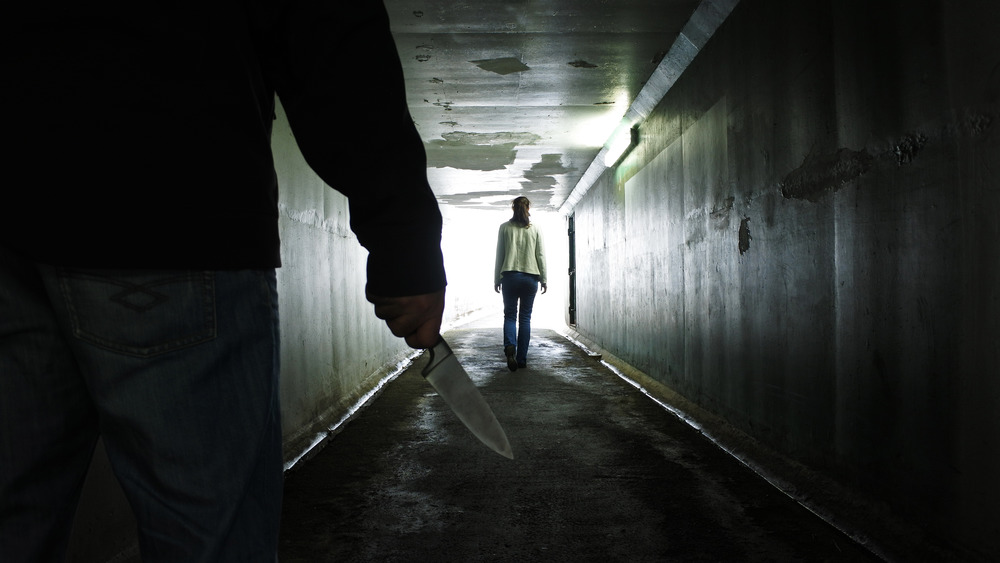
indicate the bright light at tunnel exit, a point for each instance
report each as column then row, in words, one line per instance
column 469, row 244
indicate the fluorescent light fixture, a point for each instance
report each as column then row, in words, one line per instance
column 604, row 120
column 623, row 142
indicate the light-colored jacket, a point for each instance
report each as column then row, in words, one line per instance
column 519, row 249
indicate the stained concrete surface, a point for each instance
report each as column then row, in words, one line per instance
column 601, row 472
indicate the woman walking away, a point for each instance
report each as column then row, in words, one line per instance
column 520, row 267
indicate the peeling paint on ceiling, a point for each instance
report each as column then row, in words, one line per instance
column 471, row 157
column 476, row 151
column 466, row 68
column 502, row 137
column 479, row 199
column 541, row 175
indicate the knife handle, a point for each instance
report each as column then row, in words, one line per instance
column 439, row 353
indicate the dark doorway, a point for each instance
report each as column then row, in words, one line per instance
column 572, row 269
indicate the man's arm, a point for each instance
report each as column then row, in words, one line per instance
column 362, row 142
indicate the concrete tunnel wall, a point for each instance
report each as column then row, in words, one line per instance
column 333, row 349
column 804, row 243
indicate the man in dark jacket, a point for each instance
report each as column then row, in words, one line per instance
column 138, row 242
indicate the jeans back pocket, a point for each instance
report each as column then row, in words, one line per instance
column 140, row 313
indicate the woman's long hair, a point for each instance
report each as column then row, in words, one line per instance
column 521, row 216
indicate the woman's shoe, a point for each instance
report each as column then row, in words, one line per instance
column 510, row 351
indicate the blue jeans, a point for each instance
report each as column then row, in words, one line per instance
column 177, row 371
column 518, row 287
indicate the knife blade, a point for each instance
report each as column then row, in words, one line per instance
column 451, row 381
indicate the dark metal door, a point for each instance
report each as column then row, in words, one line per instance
column 572, row 269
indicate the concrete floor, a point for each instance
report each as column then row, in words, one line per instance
column 601, row 472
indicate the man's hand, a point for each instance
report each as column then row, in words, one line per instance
column 416, row 318
column 545, row 287
column 497, row 288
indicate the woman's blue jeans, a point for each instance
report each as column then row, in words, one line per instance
column 519, row 290
column 177, row 370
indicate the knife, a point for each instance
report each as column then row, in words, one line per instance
column 450, row 380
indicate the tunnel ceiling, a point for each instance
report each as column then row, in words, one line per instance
column 517, row 97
